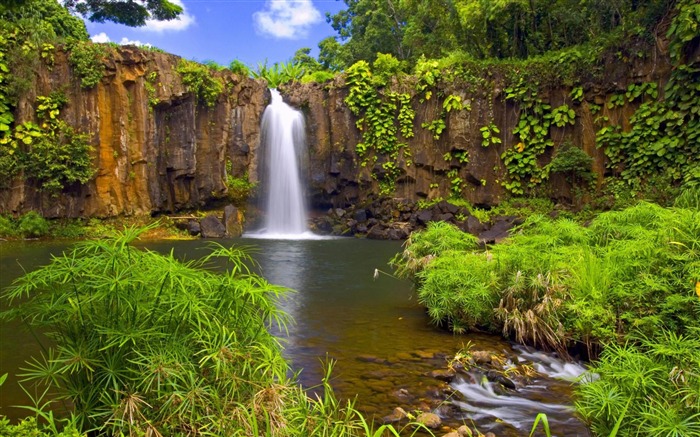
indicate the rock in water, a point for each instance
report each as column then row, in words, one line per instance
column 212, row 227
column 232, row 221
column 430, row 420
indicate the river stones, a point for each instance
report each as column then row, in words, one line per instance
column 430, row 420
column 397, row 415
column 442, row 374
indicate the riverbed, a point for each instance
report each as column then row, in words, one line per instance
column 371, row 325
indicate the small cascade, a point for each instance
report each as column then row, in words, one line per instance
column 482, row 400
column 283, row 145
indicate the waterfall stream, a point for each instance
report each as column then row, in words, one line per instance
column 283, row 145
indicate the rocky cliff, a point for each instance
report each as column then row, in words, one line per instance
column 338, row 179
column 156, row 149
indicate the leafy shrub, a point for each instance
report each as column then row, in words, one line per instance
column 8, row 228
column 318, row 77
column 557, row 283
column 30, row 428
column 239, row 67
column 86, row 59
column 199, row 80
column 32, row 224
column 575, row 164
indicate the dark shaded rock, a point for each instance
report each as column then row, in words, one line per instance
column 371, row 359
column 361, row 228
column 424, row 216
column 500, row 229
column 473, row 226
column 446, row 207
column 360, row 215
column 233, row 221
column 447, row 217
column 211, row 227
column 339, row 212
column 193, row 227
column 500, row 379
column 378, row 232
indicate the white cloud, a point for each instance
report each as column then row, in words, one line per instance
column 182, row 22
column 100, row 37
column 288, row 19
column 127, row 42
column 103, row 38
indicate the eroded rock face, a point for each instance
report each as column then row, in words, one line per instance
column 155, row 148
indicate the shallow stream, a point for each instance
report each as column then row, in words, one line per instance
column 375, row 329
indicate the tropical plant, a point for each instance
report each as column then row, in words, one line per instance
column 32, row 224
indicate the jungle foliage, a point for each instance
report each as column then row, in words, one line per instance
column 480, row 28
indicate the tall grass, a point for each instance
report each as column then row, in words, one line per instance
column 144, row 344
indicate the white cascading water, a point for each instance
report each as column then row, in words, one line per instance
column 480, row 401
column 283, row 142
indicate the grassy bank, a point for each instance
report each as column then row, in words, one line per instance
column 627, row 284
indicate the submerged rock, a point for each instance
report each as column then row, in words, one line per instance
column 430, row 420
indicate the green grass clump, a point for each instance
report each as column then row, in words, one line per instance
column 33, row 225
column 143, row 344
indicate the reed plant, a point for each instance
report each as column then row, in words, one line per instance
column 139, row 343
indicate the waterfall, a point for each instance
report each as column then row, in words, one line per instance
column 283, row 145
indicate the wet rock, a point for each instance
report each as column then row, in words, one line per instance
column 361, row 228
column 397, row 415
column 464, row 431
column 425, row 355
column 193, row 227
column 446, row 217
column 233, row 221
column 402, row 395
column 430, row 420
column 481, row 357
column 339, row 212
column 500, row 379
column 442, row 374
column 371, row 359
column 211, row 227
column 452, row 434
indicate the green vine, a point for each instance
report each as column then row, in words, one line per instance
column 489, row 135
column 149, row 84
column 86, row 59
column 451, row 103
column 533, row 132
column 199, row 80
column 384, row 116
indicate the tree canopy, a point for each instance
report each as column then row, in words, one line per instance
column 408, row 29
column 128, row 12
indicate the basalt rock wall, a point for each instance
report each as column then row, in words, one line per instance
column 338, row 179
column 156, row 148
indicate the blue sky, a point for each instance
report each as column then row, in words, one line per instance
column 223, row 30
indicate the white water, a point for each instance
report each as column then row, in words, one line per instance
column 283, row 145
column 518, row 408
